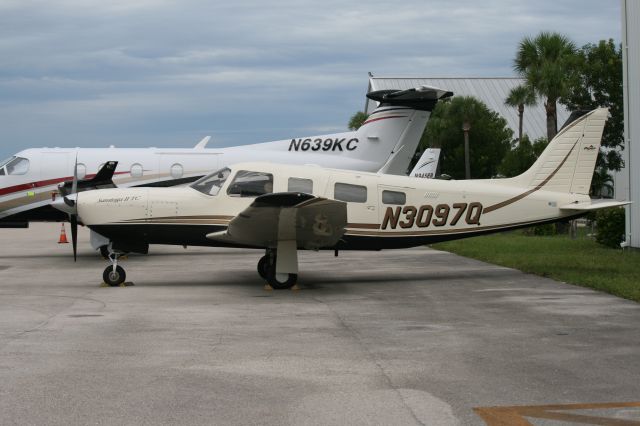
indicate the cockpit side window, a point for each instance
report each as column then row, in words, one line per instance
column 251, row 184
column 17, row 166
column 211, row 184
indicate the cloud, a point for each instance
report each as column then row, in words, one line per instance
column 153, row 72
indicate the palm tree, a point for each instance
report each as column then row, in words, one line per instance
column 545, row 62
column 519, row 97
column 468, row 108
column 601, row 183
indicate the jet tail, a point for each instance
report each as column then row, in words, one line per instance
column 427, row 165
column 393, row 130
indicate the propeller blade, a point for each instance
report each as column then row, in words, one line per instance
column 74, row 184
column 74, row 235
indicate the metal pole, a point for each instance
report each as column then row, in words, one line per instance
column 467, row 165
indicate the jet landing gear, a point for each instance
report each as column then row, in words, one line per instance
column 267, row 270
column 114, row 274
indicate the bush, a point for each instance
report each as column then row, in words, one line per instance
column 610, row 226
column 541, row 230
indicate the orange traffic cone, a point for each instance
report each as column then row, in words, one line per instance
column 63, row 236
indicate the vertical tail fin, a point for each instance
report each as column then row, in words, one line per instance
column 427, row 165
column 396, row 126
column 567, row 164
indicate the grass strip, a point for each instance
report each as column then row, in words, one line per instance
column 581, row 262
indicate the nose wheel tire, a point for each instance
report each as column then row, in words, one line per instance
column 281, row 281
column 114, row 278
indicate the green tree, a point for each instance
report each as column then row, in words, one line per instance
column 521, row 156
column 601, row 183
column 545, row 62
column 597, row 82
column 489, row 137
column 357, row 120
column 519, row 97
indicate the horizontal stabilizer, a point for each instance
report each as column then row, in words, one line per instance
column 594, row 205
column 423, row 98
column 313, row 222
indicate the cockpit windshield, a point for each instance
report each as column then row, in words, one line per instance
column 6, row 160
column 211, row 184
column 14, row 166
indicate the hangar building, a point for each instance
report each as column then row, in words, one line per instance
column 492, row 91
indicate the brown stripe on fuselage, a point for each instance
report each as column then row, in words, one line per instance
column 205, row 219
column 531, row 191
column 438, row 231
column 363, row 225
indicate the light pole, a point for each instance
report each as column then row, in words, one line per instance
column 466, row 126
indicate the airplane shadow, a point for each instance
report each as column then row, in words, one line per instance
column 319, row 281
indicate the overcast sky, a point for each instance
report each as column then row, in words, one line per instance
column 169, row 72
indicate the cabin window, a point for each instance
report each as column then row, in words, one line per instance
column 350, row 193
column 17, row 166
column 394, row 197
column 251, row 184
column 136, row 170
column 176, row 171
column 81, row 170
column 211, row 184
column 300, row 185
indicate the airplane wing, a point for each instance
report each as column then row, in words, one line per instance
column 594, row 205
column 313, row 222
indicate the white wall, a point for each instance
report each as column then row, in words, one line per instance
column 631, row 61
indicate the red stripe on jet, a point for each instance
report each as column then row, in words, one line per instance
column 383, row 118
column 41, row 183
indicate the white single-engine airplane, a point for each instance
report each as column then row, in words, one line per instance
column 386, row 141
column 283, row 208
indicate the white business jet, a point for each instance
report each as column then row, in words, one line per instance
column 387, row 141
column 282, row 209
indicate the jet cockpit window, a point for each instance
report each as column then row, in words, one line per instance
column 6, row 161
column 17, row 166
column 211, row 184
column 251, row 184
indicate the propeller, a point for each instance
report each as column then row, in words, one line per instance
column 73, row 211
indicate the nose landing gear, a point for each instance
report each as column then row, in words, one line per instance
column 114, row 274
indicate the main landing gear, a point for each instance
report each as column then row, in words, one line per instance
column 267, row 270
column 114, row 274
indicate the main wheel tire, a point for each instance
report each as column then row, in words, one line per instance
column 114, row 278
column 263, row 265
column 281, row 281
